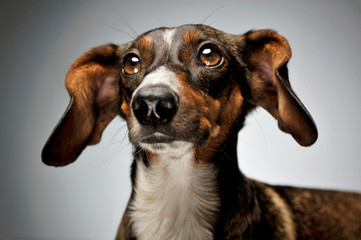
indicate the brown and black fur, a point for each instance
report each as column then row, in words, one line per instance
column 254, row 73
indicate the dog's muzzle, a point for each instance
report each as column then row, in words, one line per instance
column 155, row 106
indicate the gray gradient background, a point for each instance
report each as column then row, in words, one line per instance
column 39, row 41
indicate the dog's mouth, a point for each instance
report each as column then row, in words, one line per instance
column 157, row 137
column 164, row 143
column 159, row 143
column 166, row 135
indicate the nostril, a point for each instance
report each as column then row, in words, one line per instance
column 155, row 105
column 140, row 108
column 165, row 109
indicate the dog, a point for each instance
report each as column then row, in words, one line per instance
column 184, row 93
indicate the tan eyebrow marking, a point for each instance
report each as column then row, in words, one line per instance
column 190, row 41
column 191, row 37
column 145, row 44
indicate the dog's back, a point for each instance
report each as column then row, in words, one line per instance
column 300, row 213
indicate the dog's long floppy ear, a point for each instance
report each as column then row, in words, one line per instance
column 267, row 54
column 93, row 84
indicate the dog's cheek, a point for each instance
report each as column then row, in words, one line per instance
column 224, row 115
column 232, row 108
column 134, row 129
column 125, row 109
column 187, row 121
column 227, row 109
column 206, row 111
column 196, row 119
column 127, row 114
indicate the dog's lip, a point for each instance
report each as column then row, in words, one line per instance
column 157, row 137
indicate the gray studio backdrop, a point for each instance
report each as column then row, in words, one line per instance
column 85, row 200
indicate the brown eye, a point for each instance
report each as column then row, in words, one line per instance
column 210, row 56
column 131, row 64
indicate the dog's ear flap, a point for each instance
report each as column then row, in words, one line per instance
column 266, row 54
column 93, row 84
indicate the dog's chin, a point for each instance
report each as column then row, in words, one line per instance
column 159, row 143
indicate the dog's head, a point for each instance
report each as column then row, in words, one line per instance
column 182, row 87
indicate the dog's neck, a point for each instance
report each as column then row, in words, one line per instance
column 174, row 198
column 177, row 198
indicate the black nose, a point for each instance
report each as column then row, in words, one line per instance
column 155, row 105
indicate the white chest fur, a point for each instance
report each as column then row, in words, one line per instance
column 174, row 200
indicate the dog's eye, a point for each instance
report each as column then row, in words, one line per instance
column 210, row 55
column 131, row 64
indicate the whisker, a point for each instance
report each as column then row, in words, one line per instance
column 139, row 149
column 125, row 22
column 116, row 133
column 112, row 155
column 214, row 11
column 224, row 18
column 119, row 143
column 118, row 30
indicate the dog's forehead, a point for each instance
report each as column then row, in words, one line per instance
column 168, row 34
column 160, row 38
column 164, row 37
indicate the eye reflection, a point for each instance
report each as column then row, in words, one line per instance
column 131, row 64
column 210, row 56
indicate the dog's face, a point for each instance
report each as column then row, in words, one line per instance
column 178, row 88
